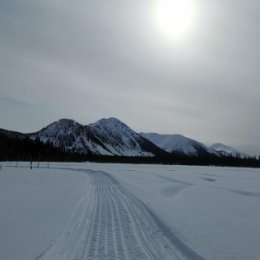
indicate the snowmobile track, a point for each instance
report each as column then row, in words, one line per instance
column 111, row 224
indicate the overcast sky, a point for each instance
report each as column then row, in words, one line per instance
column 89, row 59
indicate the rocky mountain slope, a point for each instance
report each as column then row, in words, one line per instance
column 105, row 137
column 114, row 138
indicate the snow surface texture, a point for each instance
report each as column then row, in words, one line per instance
column 213, row 210
column 112, row 224
column 179, row 144
column 129, row 212
column 105, row 137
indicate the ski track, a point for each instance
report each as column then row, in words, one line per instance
column 111, row 224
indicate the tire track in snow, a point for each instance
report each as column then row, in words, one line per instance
column 111, row 224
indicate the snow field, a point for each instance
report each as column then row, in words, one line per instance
column 112, row 224
column 118, row 211
column 35, row 205
column 215, row 211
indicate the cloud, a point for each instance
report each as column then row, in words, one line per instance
column 93, row 59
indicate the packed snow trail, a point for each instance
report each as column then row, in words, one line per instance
column 111, row 224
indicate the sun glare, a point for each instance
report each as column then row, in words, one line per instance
column 175, row 19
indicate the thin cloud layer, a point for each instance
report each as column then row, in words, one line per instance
column 91, row 59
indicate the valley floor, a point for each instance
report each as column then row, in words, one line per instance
column 117, row 211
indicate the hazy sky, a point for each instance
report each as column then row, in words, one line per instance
column 89, row 59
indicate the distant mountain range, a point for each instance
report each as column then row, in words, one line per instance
column 114, row 138
column 225, row 150
column 180, row 145
column 105, row 137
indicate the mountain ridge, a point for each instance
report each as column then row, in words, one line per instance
column 104, row 137
column 174, row 143
column 225, row 150
column 112, row 137
column 179, row 144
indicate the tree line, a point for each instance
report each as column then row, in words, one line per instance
column 25, row 149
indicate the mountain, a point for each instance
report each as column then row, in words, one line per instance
column 19, row 147
column 180, row 145
column 105, row 137
column 225, row 150
column 113, row 137
column 70, row 136
column 119, row 139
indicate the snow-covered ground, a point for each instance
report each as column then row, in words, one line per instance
column 117, row 211
column 35, row 205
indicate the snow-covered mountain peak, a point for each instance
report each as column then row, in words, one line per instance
column 61, row 126
column 62, row 123
column 66, row 121
column 179, row 144
column 105, row 137
column 113, row 126
column 120, row 139
column 226, row 150
column 110, row 136
column 111, row 122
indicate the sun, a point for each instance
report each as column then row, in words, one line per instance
column 175, row 19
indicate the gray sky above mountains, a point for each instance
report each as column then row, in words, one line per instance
column 92, row 59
